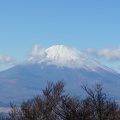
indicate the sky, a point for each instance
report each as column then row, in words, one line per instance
column 91, row 26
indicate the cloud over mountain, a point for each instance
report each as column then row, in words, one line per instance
column 7, row 60
column 108, row 54
column 38, row 51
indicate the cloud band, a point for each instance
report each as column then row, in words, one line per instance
column 107, row 54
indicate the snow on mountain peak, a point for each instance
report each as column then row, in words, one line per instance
column 62, row 56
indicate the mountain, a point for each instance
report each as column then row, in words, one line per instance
column 52, row 64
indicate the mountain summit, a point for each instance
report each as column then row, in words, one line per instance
column 63, row 56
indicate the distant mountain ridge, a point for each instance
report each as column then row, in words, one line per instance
column 52, row 64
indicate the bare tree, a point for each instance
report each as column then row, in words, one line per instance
column 102, row 108
column 55, row 104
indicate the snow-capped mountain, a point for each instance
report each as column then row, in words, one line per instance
column 63, row 56
column 52, row 64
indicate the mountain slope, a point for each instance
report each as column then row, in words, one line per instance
column 52, row 64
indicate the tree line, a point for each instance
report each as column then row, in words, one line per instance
column 55, row 104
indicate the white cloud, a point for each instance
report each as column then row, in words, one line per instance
column 108, row 54
column 7, row 60
column 38, row 51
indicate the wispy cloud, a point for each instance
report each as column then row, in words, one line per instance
column 38, row 51
column 7, row 60
column 108, row 54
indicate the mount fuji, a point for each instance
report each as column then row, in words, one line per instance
column 55, row 63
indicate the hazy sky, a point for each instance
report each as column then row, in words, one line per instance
column 92, row 26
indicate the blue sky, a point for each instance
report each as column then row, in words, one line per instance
column 88, row 25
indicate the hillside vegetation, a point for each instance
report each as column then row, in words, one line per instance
column 55, row 104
